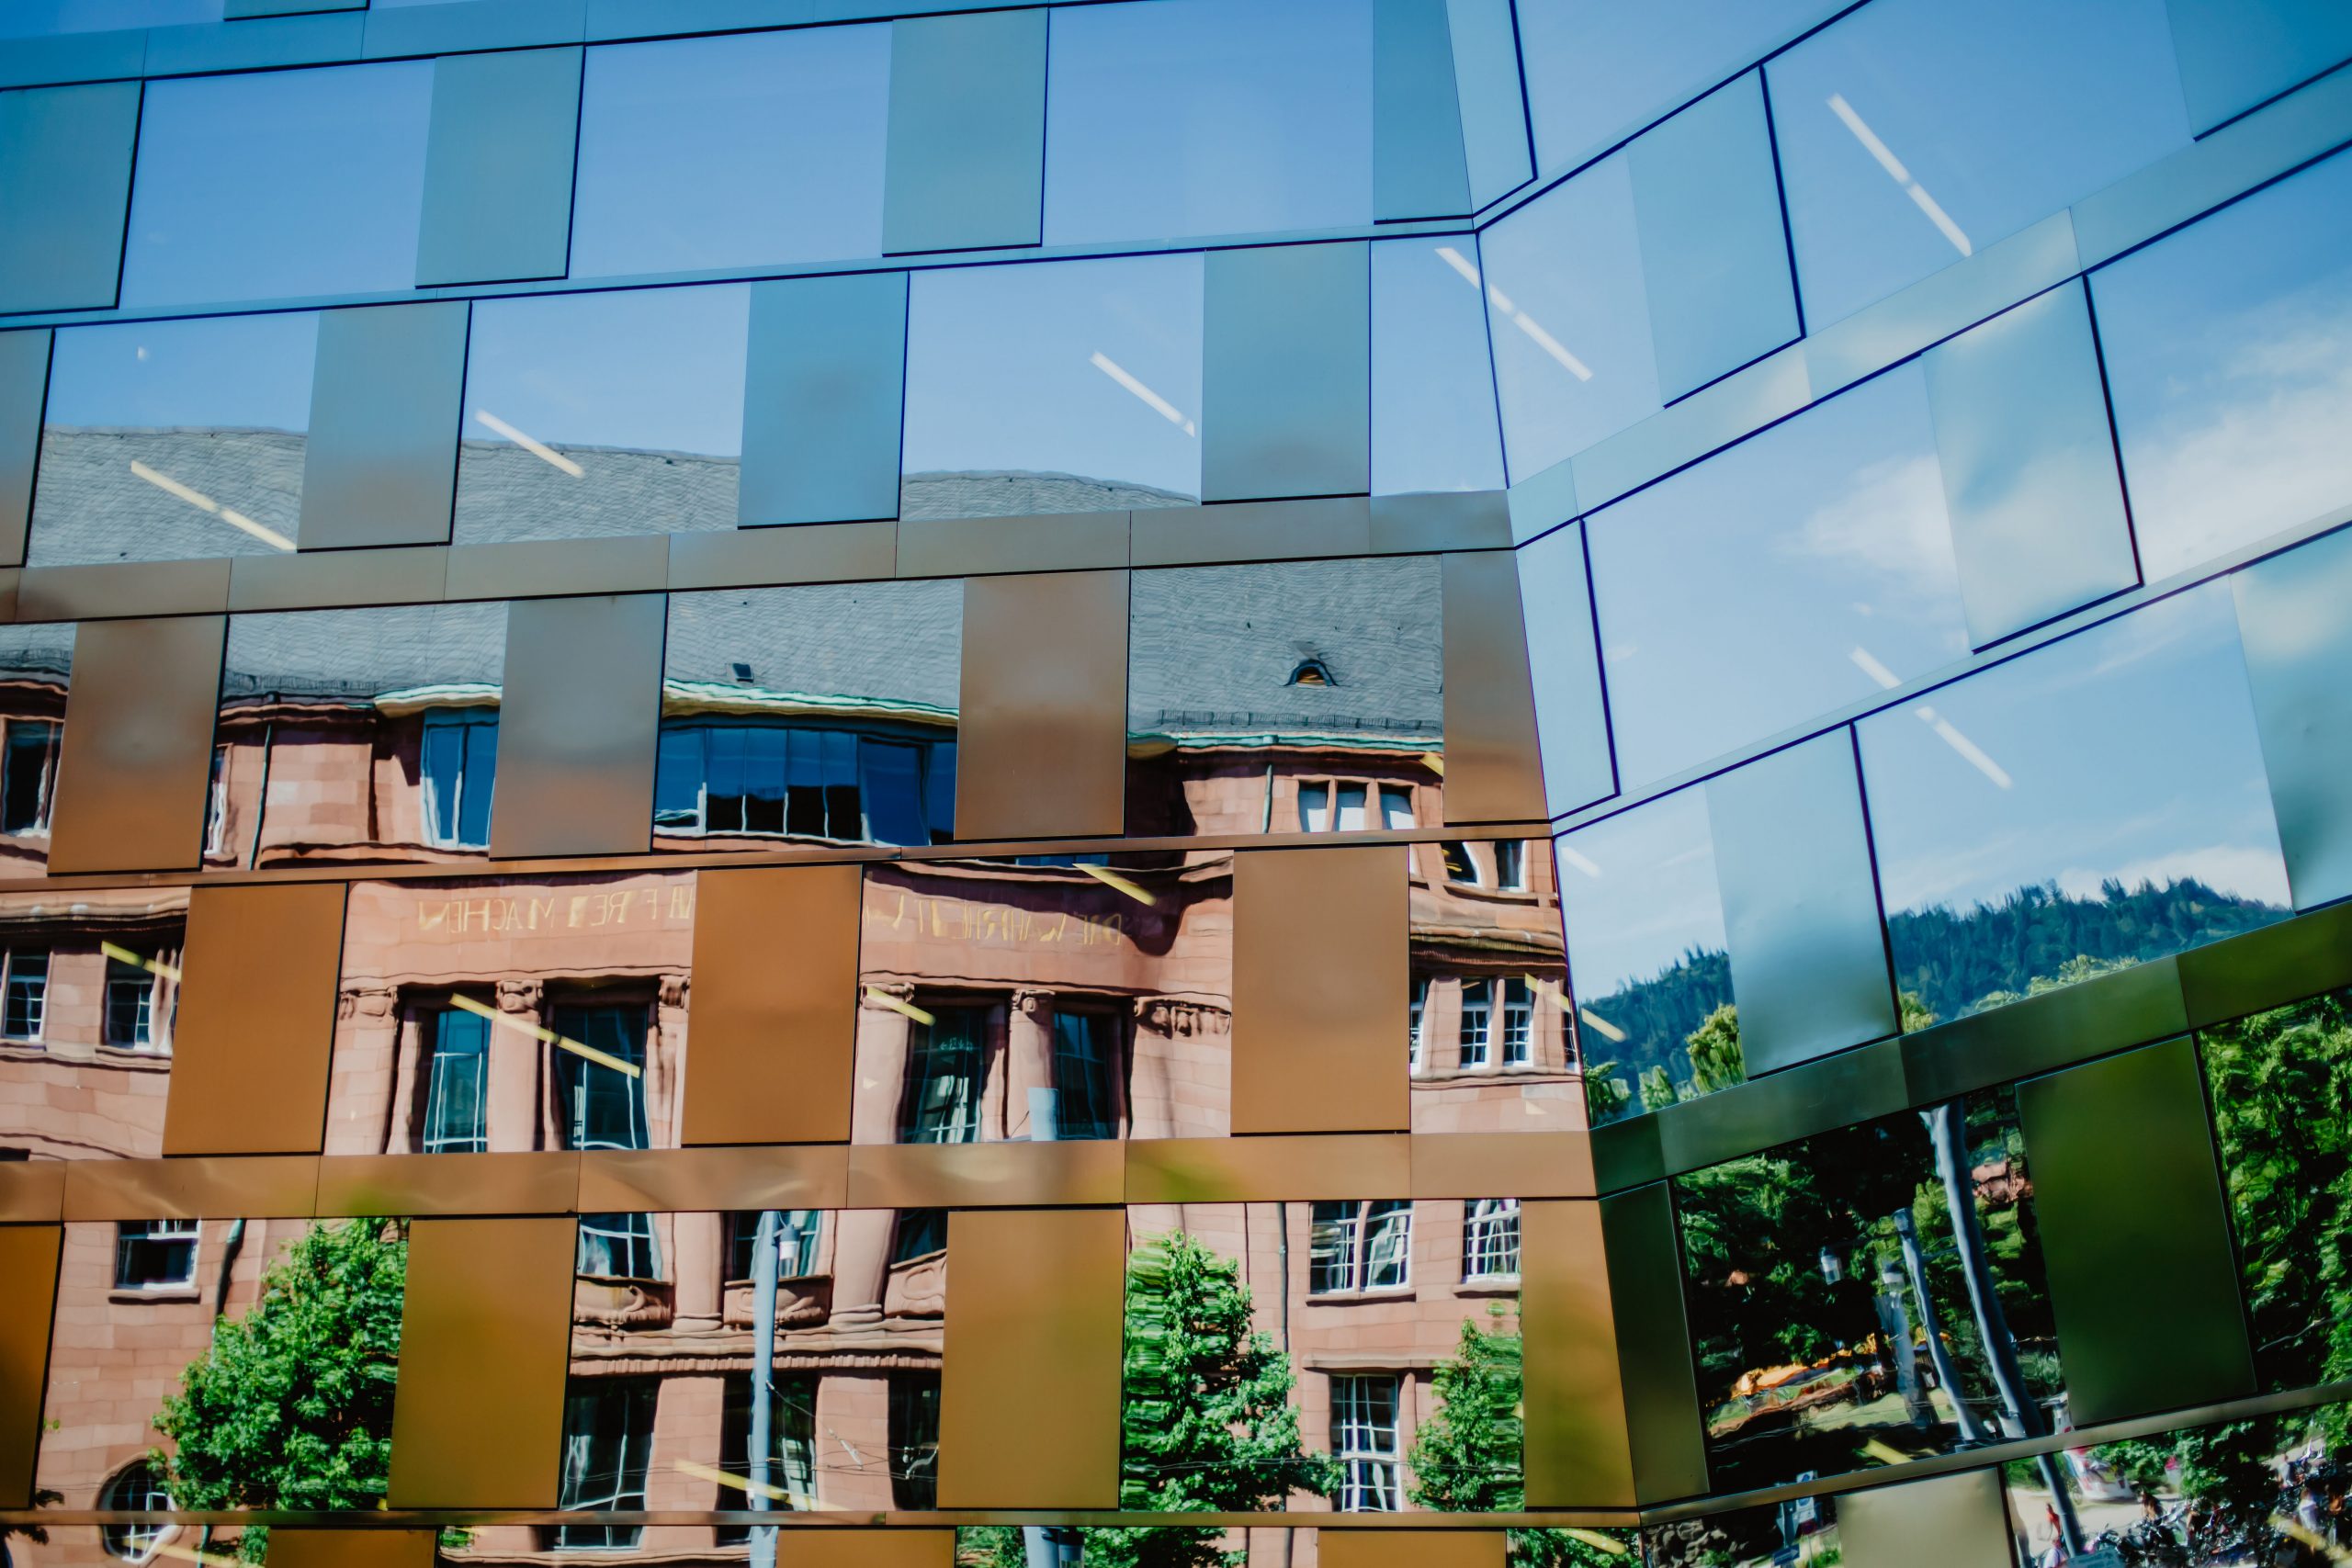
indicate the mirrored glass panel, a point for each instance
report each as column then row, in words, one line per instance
column 502, row 1016
column 1047, row 998
column 815, row 714
column 1798, row 1534
column 1492, row 1046
column 1305, row 697
column 279, row 184
column 2224, row 364
column 732, row 152
column 357, row 736
column 662, row 1408
column 1383, row 1335
column 36, row 662
column 1792, row 574
column 38, row 18
column 2090, row 804
column 1067, row 387
column 1914, row 134
column 1180, row 117
column 174, row 440
column 1869, row 1296
column 588, row 415
column 1568, row 311
column 88, row 991
column 163, row 1327
column 1433, row 413
column 1648, row 957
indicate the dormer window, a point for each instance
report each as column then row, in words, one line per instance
column 1311, row 672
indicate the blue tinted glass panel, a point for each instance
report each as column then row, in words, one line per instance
column 1072, row 386
column 174, row 440
column 1913, row 133
column 1177, row 117
column 1597, row 69
column 1789, row 576
column 595, row 414
column 278, row 184
column 2093, row 803
column 2229, row 362
column 1569, row 312
column 1433, row 385
column 1647, row 957
column 35, row 18
column 2236, row 53
column 732, row 152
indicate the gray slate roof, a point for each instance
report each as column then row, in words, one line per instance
column 360, row 654
column 89, row 506
column 43, row 649
column 896, row 641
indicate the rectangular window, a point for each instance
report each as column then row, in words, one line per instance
column 1477, row 1021
column 154, row 1254
column 797, row 1232
column 801, row 782
column 914, row 1439
column 456, row 1093
column 1364, row 1439
column 1510, row 864
column 1460, row 865
column 792, row 1448
column 1421, row 1001
column 919, row 1233
column 131, row 1006
column 28, row 775
column 1490, row 1238
column 607, row 1445
column 617, row 1246
column 1360, row 1247
column 1395, row 807
column 216, row 804
column 1086, row 1061
column 461, row 767
column 946, row 1071
column 1519, row 1023
column 604, row 1107
column 26, row 994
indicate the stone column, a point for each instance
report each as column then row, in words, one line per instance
column 1029, row 1107
column 516, row 1116
column 861, row 1267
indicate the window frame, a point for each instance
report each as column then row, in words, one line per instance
column 637, row 1396
column 1490, row 1234
column 1518, row 1036
column 18, row 736
column 466, row 722
column 431, row 1021
column 145, row 1541
column 157, row 1234
column 698, row 729
column 1476, row 1030
column 1360, row 1248
column 34, row 990
column 1371, row 1469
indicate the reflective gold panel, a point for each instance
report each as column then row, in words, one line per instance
column 250, row 1073
column 1463, row 1165
column 870, row 1549
column 29, row 1262
column 1492, row 771
column 448, row 1184
column 31, row 1192
column 775, row 1006
column 1410, row 1549
column 1029, row 1413
column 137, row 748
column 1044, row 698
column 579, row 722
column 479, row 1419
column 1951, row 1521
column 350, row 1549
column 1319, row 990
column 1005, row 1175
column 1578, row 1451
column 270, row 1186
column 750, row 1177
column 1230, row 1170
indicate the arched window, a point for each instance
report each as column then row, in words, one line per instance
column 136, row 1488
column 1311, row 672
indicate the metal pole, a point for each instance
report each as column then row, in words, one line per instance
column 763, row 1249
column 1907, row 1232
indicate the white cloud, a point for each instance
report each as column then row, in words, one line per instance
column 2248, row 871
column 1888, row 521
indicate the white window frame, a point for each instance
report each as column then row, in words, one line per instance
column 1477, row 1034
column 439, row 834
column 1519, row 1023
column 1510, row 864
column 1491, row 1239
column 127, row 1232
column 1417, row 1041
column 136, row 1488
column 1366, row 1248
column 36, row 1009
column 1367, row 1446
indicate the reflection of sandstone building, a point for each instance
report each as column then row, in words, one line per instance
column 34, row 663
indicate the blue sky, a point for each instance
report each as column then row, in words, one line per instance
column 228, row 371
column 656, row 369
column 1639, row 891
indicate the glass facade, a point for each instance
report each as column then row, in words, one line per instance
column 1525, row 764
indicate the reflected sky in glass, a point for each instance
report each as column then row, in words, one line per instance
column 1569, row 312
column 174, row 440
column 2127, row 752
column 1061, row 387
column 732, row 152
column 1790, row 575
column 639, row 390
column 1171, row 118
column 1433, row 385
column 1915, row 132
column 279, row 184
column 2229, row 361
column 35, row 18
column 1598, row 68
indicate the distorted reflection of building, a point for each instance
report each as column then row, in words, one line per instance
column 35, row 663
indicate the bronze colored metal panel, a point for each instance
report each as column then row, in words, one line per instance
column 1661, row 1384
column 1320, row 1016
column 1041, row 746
column 477, row 1421
column 1029, row 1395
column 686, row 1180
column 1834, row 1091
column 868, row 1549
column 985, row 1176
column 1493, row 772
column 541, row 568
column 1251, row 530
column 138, row 745
column 2128, row 1192
column 1578, row 1452
column 1440, row 520
column 32, row 1190
column 2131, row 1006
column 975, row 546
column 775, row 1006
column 350, row 1549
column 1951, row 1521
column 381, row 465
column 24, row 383
column 417, row 1185
column 29, row 1262
column 808, row 552
column 336, row 579
column 1239, row 1170
column 263, row 1187
column 1410, row 1549
column 1480, row 1165
column 2278, row 964
column 578, row 726
column 119, row 589
column 256, row 1020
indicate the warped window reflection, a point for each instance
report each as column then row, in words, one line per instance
column 36, row 664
